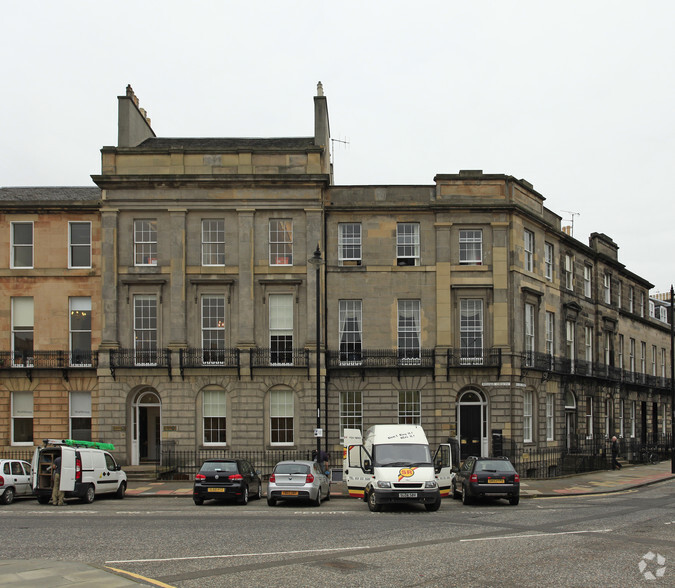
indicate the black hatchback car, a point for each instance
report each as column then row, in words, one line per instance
column 491, row 477
column 226, row 479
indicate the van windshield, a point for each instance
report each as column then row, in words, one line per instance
column 400, row 454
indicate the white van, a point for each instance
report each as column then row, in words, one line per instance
column 86, row 470
column 393, row 464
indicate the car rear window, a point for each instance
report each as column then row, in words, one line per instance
column 223, row 466
column 497, row 465
column 291, row 468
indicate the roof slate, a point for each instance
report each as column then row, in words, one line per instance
column 49, row 193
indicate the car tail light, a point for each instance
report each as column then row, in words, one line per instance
column 309, row 479
column 273, row 479
column 78, row 469
column 200, row 477
column 2, row 481
column 516, row 478
column 473, row 478
column 236, row 477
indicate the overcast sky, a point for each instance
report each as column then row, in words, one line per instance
column 576, row 97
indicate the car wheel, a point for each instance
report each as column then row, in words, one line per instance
column 89, row 495
column 372, row 503
column 43, row 499
column 121, row 490
column 271, row 502
column 514, row 500
column 244, row 496
column 453, row 491
column 466, row 499
column 258, row 495
column 434, row 506
column 198, row 500
column 328, row 493
column 8, row 496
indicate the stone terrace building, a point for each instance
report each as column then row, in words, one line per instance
column 460, row 305
column 50, row 293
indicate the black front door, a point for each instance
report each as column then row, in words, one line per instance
column 470, row 430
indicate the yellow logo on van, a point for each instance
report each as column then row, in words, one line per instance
column 405, row 473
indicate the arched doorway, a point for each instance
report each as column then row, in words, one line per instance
column 570, row 420
column 146, row 426
column 472, row 424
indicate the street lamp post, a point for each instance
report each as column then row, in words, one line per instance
column 317, row 261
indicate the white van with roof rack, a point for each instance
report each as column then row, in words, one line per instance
column 87, row 469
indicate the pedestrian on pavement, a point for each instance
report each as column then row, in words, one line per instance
column 615, row 453
column 57, row 493
column 324, row 461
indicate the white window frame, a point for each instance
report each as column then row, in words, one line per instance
column 470, row 247
column 654, row 354
column 16, row 247
column 619, row 294
column 527, row 416
column 620, row 354
column 79, row 304
column 570, row 342
column 622, row 424
column 588, row 344
column 631, row 357
column 663, row 362
column 213, row 328
column 569, row 272
column 351, row 410
column 72, row 247
column 633, row 415
column 281, row 331
column 609, row 407
column 642, row 304
column 145, row 242
column 548, row 261
column 550, row 333
column 22, row 412
column 529, row 334
column 550, row 417
column 643, row 357
column 409, row 339
column 409, row 407
column 652, row 309
column 589, row 417
column 27, row 312
column 350, row 335
column 528, row 248
column 214, row 406
column 631, row 299
column 349, row 244
column 471, row 325
column 79, row 409
column 607, row 288
column 213, row 242
column 281, row 408
column 281, row 241
column 145, row 329
column 407, row 244
column 588, row 281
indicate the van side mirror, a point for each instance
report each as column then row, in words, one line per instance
column 367, row 466
column 118, row 468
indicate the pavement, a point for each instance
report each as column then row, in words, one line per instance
column 48, row 573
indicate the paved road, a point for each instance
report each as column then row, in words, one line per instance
column 562, row 541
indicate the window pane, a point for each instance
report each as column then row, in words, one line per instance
column 281, row 242
column 351, row 411
column 349, row 242
column 213, row 242
column 409, row 329
column 350, row 330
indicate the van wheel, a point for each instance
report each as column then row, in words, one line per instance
column 121, row 490
column 434, row 506
column 8, row 496
column 89, row 495
column 372, row 504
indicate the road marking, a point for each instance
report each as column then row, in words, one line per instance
column 139, row 577
column 295, row 552
column 535, row 535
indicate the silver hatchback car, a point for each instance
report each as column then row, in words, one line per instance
column 14, row 480
column 298, row 480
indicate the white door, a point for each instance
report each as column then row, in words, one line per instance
column 146, row 418
column 67, row 483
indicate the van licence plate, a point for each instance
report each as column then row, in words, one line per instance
column 407, row 494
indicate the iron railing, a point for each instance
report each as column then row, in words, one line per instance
column 267, row 357
column 381, row 358
column 49, row 359
column 192, row 357
column 184, row 464
column 480, row 357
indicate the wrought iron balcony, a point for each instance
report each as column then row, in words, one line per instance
column 381, row 358
column 266, row 357
column 194, row 357
column 140, row 358
column 474, row 357
column 48, row 360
